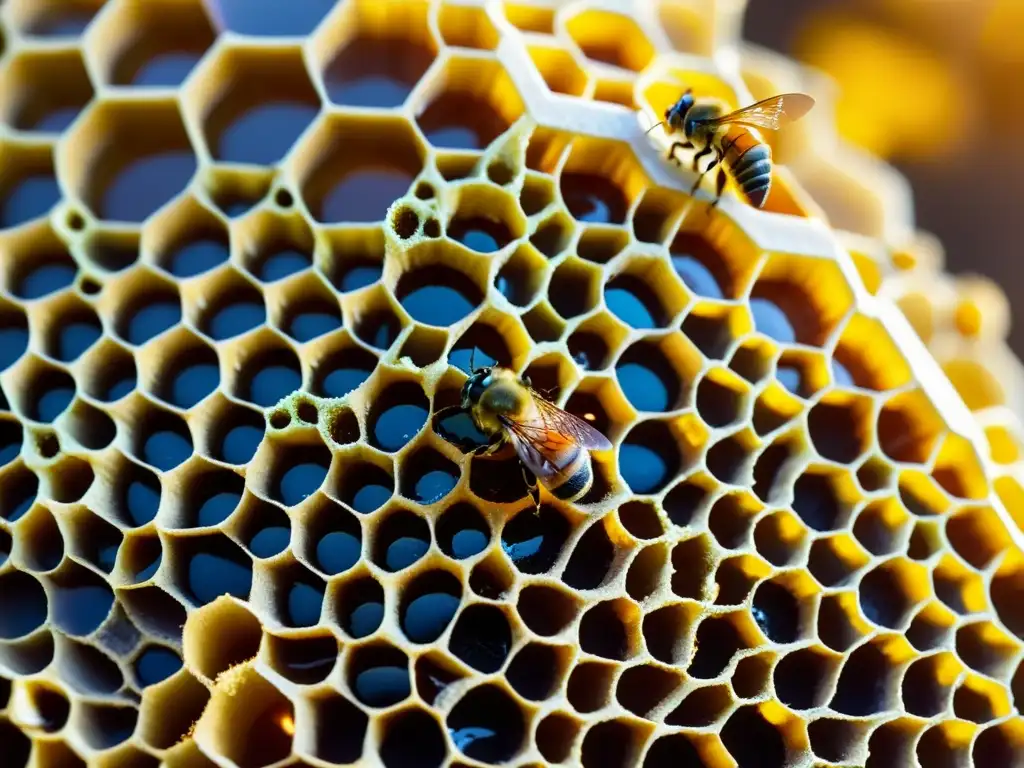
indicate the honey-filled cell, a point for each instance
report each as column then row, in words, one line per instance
column 251, row 256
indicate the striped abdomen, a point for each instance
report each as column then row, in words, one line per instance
column 574, row 479
column 749, row 161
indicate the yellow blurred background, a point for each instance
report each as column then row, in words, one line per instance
column 935, row 87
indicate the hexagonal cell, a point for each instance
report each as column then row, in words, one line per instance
column 645, row 294
column 487, row 709
column 56, row 19
column 354, row 259
column 909, row 427
column 574, row 290
column 186, row 239
column 160, row 438
column 615, row 91
column 305, row 309
column 207, row 566
column 43, row 91
column 126, row 159
column 29, row 188
column 610, row 38
column 601, row 180
column 467, row 104
column 559, row 69
column 69, row 328
column 38, row 266
column 784, row 304
column 344, row 173
column 152, row 44
column 466, row 27
column 253, row 104
column 372, row 55
column 182, row 371
column 439, row 295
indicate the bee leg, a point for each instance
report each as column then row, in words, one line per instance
column 676, row 146
column 532, row 488
column 708, row 149
column 719, row 186
column 696, row 184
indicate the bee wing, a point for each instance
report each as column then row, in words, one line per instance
column 551, row 432
column 771, row 113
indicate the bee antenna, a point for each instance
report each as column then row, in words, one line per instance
column 660, row 122
column 472, row 358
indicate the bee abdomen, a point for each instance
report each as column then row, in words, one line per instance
column 577, row 484
column 752, row 172
column 749, row 160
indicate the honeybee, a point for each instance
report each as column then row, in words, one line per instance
column 733, row 137
column 553, row 446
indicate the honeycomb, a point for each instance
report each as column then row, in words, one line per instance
column 247, row 258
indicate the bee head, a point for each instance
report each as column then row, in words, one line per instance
column 475, row 385
column 674, row 115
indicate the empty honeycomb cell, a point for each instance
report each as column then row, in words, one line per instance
column 412, row 737
column 149, row 45
column 520, row 277
column 466, row 27
column 481, row 637
column 24, row 603
column 302, row 660
column 338, row 732
column 44, row 90
column 80, row 601
column 207, row 566
column 187, row 239
column 40, row 266
column 673, row 749
column 77, row 329
column 231, row 306
column 252, row 104
column 296, row 594
column 18, row 493
column 307, row 310
column 485, row 221
column 479, row 91
column 365, row 486
column 428, row 604
column 183, row 371
column 702, row 707
column 491, row 578
column 161, row 439
column 104, row 726
column 40, row 544
column 400, row 540
column 644, row 688
column 611, row 38
column 600, row 245
column 645, row 295
column 927, row 685
column 344, row 172
column 268, row 375
column 979, row 700
column 882, row 527
column 487, row 725
column 379, row 675
column 942, row 745
column 135, row 142
column 600, row 181
column 154, row 664
column 341, row 369
column 29, row 189
column 611, row 744
column 371, row 56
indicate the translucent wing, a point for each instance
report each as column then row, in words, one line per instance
column 546, row 438
column 771, row 113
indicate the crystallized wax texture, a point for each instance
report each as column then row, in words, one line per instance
column 241, row 275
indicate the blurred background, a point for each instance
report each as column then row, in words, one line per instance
column 935, row 87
